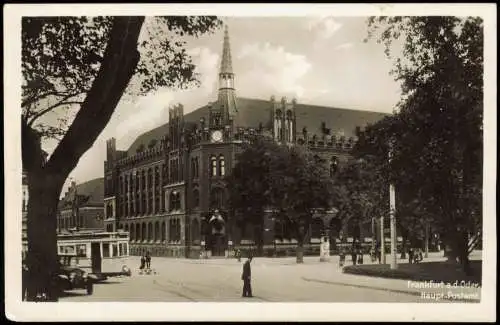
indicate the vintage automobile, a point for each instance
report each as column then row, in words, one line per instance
column 71, row 277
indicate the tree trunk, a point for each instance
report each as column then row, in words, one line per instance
column 45, row 180
column 300, row 252
column 300, row 244
column 42, row 261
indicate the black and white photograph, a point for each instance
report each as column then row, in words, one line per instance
column 250, row 162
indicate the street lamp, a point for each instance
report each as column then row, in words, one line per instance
column 392, row 211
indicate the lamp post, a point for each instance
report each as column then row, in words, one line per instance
column 392, row 206
column 382, row 241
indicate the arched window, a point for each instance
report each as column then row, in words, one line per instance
column 164, row 173
column 194, row 168
column 195, row 231
column 150, row 178
column 143, row 180
column 157, row 176
column 175, row 201
column 222, row 166
column 196, row 198
column 163, row 232
column 109, row 211
column 150, row 231
column 177, row 229
column 132, row 232
column 213, row 166
column 217, row 198
column 157, row 231
column 138, row 232
column 157, row 203
column 143, row 232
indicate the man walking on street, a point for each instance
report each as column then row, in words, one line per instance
column 246, row 277
column 148, row 261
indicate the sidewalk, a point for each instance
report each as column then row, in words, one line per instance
column 429, row 290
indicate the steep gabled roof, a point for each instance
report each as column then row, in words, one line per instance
column 94, row 189
column 252, row 112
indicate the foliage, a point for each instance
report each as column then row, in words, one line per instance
column 86, row 63
column 361, row 190
column 288, row 179
column 61, row 57
column 436, row 135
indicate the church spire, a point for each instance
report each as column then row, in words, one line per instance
column 226, row 62
column 227, row 96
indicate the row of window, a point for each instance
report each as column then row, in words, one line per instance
column 157, row 231
column 131, row 183
column 217, row 200
column 68, row 222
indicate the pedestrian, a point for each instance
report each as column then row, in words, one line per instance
column 246, row 276
column 360, row 256
column 148, row 260
column 353, row 256
column 418, row 255
column 410, row 255
column 143, row 262
column 341, row 257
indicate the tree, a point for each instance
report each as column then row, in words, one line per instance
column 79, row 68
column 250, row 178
column 437, row 132
column 300, row 185
column 287, row 179
column 360, row 190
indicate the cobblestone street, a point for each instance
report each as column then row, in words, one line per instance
column 273, row 280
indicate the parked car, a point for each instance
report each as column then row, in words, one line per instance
column 71, row 277
column 66, row 278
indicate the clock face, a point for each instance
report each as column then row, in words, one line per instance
column 217, row 136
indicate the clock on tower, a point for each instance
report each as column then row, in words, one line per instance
column 216, row 136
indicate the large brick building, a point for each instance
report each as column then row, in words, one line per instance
column 163, row 187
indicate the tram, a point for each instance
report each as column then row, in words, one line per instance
column 104, row 253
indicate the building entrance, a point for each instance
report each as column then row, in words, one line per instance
column 217, row 244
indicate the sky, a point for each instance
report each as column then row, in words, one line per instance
column 317, row 60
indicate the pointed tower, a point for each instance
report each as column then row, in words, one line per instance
column 227, row 94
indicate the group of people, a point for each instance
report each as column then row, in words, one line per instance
column 415, row 255
column 145, row 261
